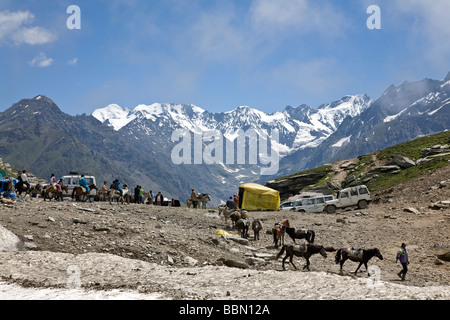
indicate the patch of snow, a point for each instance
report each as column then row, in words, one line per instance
column 341, row 142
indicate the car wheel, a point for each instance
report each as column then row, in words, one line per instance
column 362, row 204
column 330, row 209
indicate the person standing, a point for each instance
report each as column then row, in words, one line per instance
column 104, row 190
column 159, row 199
column 194, row 198
column 402, row 255
column 24, row 178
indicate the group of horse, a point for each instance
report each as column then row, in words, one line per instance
column 306, row 250
column 240, row 221
column 49, row 192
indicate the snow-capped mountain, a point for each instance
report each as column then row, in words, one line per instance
column 298, row 128
column 402, row 113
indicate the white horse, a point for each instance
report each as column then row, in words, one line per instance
column 202, row 198
column 115, row 194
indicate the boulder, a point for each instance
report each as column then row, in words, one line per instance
column 404, row 162
column 9, row 241
column 234, row 264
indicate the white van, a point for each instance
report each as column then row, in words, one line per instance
column 314, row 204
column 72, row 181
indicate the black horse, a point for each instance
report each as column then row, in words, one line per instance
column 303, row 250
column 309, row 235
column 357, row 255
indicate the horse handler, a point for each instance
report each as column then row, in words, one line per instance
column 402, row 255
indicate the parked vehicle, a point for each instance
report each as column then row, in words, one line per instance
column 354, row 196
column 72, row 181
column 314, row 204
column 290, row 205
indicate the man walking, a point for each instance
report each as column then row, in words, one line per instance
column 402, row 255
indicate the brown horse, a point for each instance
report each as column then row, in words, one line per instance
column 301, row 250
column 278, row 232
column 357, row 255
column 54, row 191
column 79, row 195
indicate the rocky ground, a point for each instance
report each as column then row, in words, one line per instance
column 174, row 253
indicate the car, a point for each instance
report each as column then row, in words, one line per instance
column 314, row 204
column 72, row 181
column 290, row 205
column 358, row 196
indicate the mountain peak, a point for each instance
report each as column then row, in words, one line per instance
column 447, row 78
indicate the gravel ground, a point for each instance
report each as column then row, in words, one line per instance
column 71, row 250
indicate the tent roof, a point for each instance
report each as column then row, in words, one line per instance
column 257, row 188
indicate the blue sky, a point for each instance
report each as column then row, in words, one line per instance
column 216, row 54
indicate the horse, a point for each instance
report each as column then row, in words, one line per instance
column 301, row 250
column 357, row 255
column 203, row 199
column 242, row 225
column 257, row 226
column 300, row 233
column 227, row 212
column 278, row 232
column 115, row 194
column 79, row 195
column 21, row 187
column 57, row 195
column 235, row 216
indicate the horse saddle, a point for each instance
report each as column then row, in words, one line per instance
column 301, row 231
column 83, row 189
column 355, row 253
column 302, row 247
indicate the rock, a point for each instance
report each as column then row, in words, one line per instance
column 76, row 220
column 30, row 245
column 169, row 260
column 190, row 261
column 51, row 219
column 411, row 210
column 238, row 240
column 383, row 169
column 254, row 261
column 9, row 241
column 87, row 209
column 438, row 262
column 404, row 162
column 234, row 264
column 445, row 256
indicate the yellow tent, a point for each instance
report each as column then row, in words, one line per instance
column 255, row 197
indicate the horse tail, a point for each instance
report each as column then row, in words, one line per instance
column 313, row 236
column 281, row 252
column 338, row 256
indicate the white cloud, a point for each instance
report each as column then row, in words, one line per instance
column 15, row 29
column 73, row 62
column 41, row 61
column 279, row 17
column 429, row 27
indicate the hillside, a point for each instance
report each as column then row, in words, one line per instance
column 379, row 170
column 150, row 252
